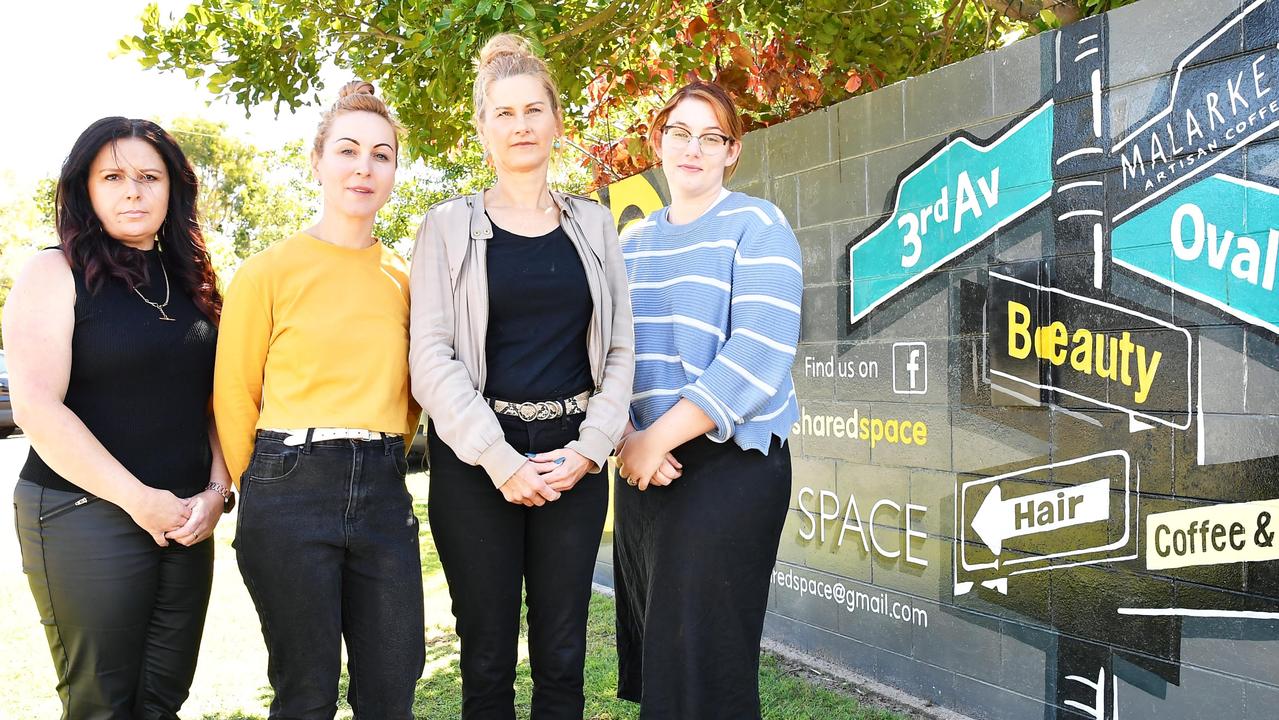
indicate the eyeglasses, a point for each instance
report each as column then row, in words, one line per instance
column 710, row 143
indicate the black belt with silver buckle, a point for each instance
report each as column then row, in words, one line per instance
column 541, row 409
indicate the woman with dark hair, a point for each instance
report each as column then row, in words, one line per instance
column 715, row 287
column 109, row 339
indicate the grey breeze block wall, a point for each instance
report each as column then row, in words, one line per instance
column 1036, row 469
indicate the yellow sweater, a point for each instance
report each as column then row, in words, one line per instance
column 313, row 335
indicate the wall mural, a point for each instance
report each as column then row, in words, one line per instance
column 1037, row 465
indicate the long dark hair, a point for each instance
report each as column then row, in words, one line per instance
column 89, row 248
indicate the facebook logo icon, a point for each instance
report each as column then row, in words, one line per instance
column 910, row 368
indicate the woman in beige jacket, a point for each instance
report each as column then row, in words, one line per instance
column 522, row 355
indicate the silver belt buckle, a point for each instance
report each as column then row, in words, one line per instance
column 528, row 411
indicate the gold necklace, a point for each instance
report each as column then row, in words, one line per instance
column 158, row 306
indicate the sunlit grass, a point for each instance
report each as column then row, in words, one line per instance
column 231, row 683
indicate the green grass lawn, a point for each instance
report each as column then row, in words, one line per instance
column 231, row 681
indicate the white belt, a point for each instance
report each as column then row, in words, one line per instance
column 298, row 436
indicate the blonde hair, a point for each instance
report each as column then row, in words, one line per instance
column 509, row 55
column 355, row 96
column 713, row 94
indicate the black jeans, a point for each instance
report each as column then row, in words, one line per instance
column 123, row 615
column 328, row 547
column 489, row 547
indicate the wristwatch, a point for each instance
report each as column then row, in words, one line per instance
column 228, row 497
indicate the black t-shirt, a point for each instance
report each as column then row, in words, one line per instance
column 140, row 384
column 539, row 313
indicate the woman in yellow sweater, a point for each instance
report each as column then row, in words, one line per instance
column 311, row 398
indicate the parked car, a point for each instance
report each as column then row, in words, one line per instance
column 6, row 410
column 418, row 459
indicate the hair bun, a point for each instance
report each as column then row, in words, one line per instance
column 355, row 96
column 356, row 87
column 505, row 44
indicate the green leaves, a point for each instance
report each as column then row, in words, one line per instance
column 525, row 10
column 615, row 60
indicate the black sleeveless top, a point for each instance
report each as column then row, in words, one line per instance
column 539, row 314
column 141, row 384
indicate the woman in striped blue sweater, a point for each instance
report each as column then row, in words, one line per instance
column 715, row 287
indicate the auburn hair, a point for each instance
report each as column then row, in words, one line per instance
column 730, row 121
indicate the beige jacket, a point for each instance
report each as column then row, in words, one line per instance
column 449, row 311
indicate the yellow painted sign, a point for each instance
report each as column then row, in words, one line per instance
column 635, row 193
column 1240, row 532
column 1053, row 342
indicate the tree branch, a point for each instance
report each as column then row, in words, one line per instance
column 951, row 23
column 589, row 24
column 369, row 28
column 1067, row 11
column 1019, row 10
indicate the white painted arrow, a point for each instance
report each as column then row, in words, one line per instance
column 1135, row 425
column 998, row 519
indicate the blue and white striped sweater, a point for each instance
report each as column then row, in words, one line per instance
column 717, row 317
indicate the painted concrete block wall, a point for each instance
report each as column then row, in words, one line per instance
column 1038, row 460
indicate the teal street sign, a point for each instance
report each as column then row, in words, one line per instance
column 954, row 200
column 1217, row 240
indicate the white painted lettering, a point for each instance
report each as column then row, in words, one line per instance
column 1192, row 128
column 853, row 513
column 1256, row 77
column 911, row 239
column 1232, row 88
column 990, row 191
column 824, row 514
column 1157, row 149
column 941, row 209
column 804, row 493
column 1272, row 252
column 1250, row 255
column 911, row 533
column 965, row 200
column 1183, row 251
column 1218, row 249
column 1214, row 115
column 1130, row 168
column 873, row 539
column 1172, row 140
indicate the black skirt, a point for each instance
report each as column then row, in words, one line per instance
column 691, row 568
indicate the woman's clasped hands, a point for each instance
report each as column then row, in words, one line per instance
column 643, row 460
column 205, row 510
column 166, row 516
column 545, row 477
